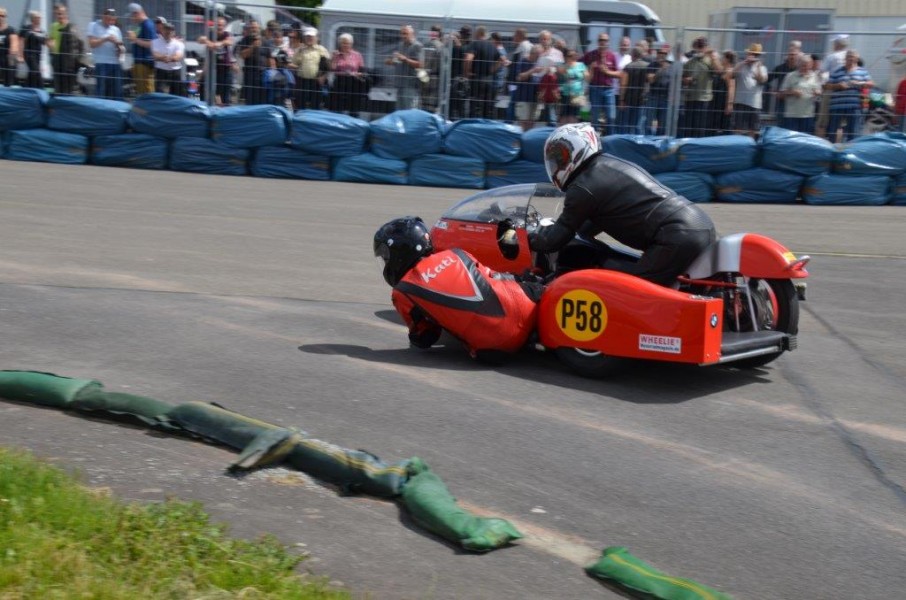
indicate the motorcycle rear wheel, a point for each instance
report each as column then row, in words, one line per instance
column 588, row 363
column 776, row 309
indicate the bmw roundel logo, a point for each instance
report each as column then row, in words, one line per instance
column 714, row 320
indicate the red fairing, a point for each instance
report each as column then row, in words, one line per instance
column 768, row 259
column 484, row 309
column 481, row 241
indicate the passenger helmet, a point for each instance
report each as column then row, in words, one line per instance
column 400, row 244
column 567, row 149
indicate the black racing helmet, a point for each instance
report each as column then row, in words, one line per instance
column 400, row 244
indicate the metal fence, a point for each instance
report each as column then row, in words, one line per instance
column 685, row 82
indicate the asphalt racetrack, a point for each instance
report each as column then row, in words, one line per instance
column 787, row 482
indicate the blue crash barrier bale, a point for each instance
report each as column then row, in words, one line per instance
column 533, row 143
column 697, row 187
column 654, row 154
column 759, row 185
column 445, row 170
column 170, row 116
column 405, row 134
column 251, row 126
column 795, row 152
column 201, row 155
column 860, row 190
column 872, row 155
column 518, row 171
column 23, row 108
column 328, row 133
column 898, row 196
column 485, row 139
column 717, row 154
column 134, row 150
column 88, row 116
column 44, row 145
column 287, row 162
column 370, row 168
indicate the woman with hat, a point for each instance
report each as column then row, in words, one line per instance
column 750, row 76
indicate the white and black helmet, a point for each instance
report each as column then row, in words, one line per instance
column 567, row 149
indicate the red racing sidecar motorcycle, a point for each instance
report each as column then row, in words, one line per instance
column 738, row 303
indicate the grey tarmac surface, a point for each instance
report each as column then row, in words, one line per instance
column 263, row 296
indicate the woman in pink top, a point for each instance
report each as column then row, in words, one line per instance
column 350, row 90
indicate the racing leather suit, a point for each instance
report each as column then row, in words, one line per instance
column 616, row 197
column 486, row 310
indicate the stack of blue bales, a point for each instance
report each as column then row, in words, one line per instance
column 414, row 147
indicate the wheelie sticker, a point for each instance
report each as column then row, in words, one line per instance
column 581, row 315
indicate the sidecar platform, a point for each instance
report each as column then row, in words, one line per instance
column 749, row 344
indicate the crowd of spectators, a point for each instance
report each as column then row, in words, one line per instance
column 518, row 80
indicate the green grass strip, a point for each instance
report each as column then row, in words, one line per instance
column 59, row 539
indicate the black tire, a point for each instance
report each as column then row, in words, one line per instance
column 777, row 308
column 588, row 363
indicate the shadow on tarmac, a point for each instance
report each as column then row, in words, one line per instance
column 641, row 382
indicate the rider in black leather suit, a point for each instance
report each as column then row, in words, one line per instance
column 610, row 195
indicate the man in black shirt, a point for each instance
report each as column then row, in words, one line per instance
column 479, row 66
column 9, row 51
column 33, row 40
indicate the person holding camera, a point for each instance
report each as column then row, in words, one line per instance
column 750, row 76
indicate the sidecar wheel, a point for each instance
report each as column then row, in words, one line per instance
column 588, row 363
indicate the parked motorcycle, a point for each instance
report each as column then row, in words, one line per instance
column 738, row 303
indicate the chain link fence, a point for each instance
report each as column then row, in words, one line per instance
column 676, row 81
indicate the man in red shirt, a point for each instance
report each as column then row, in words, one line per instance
column 602, row 64
column 491, row 313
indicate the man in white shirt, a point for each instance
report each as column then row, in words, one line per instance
column 107, row 48
column 168, row 53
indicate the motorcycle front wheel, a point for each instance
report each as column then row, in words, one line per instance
column 776, row 308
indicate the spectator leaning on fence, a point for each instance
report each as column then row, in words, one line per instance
column 221, row 50
column 9, row 50
column 847, row 86
column 750, row 76
column 65, row 51
column 33, row 39
column 406, row 59
column 602, row 65
column 106, row 42
column 141, row 36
